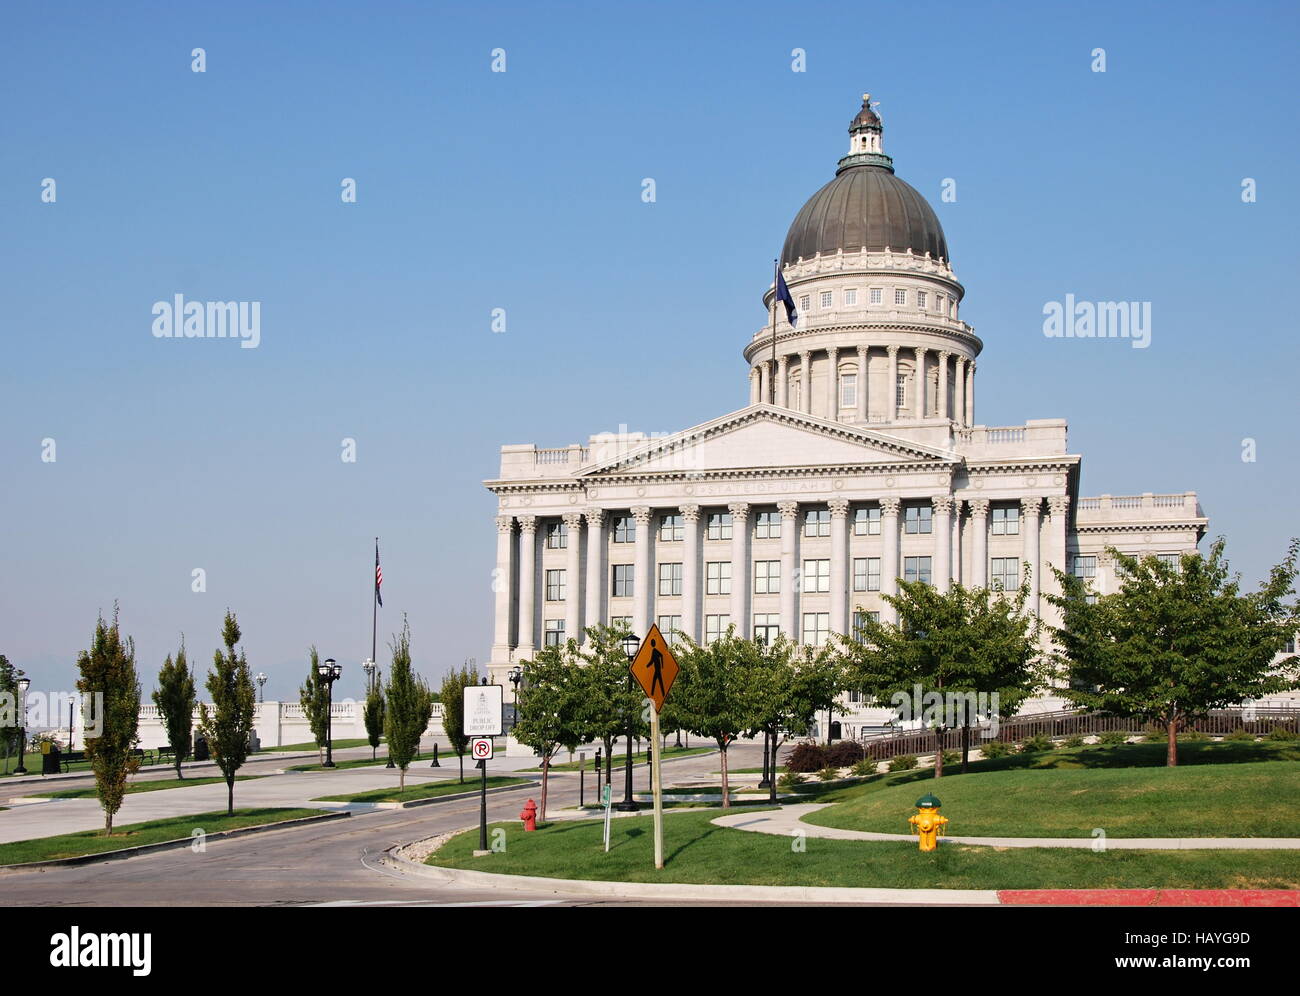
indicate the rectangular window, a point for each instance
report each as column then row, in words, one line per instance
column 917, row 519
column 719, row 526
column 1290, row 646
column 670, row 580
column 555, row 586
column 717, row 577
column 803, row 302
column 1004, row 572
column 671, row 529
column 827, row 299
column 866, row 522
column 554, row 632
column 816, row 628
column 876, row 295
column 767, row 525
column 860, row 617
column 668, row 625
column 766, row 628
column 1173, row 560
column 920, row 300
column 557, row 536
column 851, row 298
column 767, row 577
column 848, row 390
column 866, row 573
column 624, row 529
column 916, row 569
column 817, row 522
column 715, row 626
column 1084, row 567
column 620, row 622
column 900, row 392
column 816, row 576
column 1006, row 521
column 623, row 576
column 900, row 296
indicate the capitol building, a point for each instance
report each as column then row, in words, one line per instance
column 857, row 460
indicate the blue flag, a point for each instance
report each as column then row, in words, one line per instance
column 783, row 295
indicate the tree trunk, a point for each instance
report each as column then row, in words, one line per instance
column 178, row 767
column 771, row 785
column 938, row 753
column 108, row 824
column 965, row 747
column 546, row 770
column 726, row 795
column 373, row 749
column 230, row 795
column 401, row 778
column 1171, row 755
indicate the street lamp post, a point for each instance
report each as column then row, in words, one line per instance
column 23, row 684
column 631, row 643
column 516, row 675
column 329, row 673
column 369, row 667
column 261, row 680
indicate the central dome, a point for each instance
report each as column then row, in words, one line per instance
column 865, row 207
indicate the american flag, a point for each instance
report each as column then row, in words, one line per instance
column 379, row 576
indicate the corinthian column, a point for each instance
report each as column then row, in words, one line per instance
column 573, row 577
column 753, row 385
column 502, row 587
column 891, row 389
column 595, row 566
column 691, row 571
column 789, row 535
column 979, row 553
column 740, row 566
column 889, row 561
column 527, row 585
column 839, row 565
column 1030, row 529
column 833, row 385
column 959, row 391
column 805, row 382
column 919, row 378
column 864, row 353
column 956, row 541
column 970, row 393
column 1058, row 506
column 641, row 573
column 942, row 530
column 944, row 358
column 782, row 380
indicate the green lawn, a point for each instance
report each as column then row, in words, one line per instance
column 426, row 790
column 1203, row 800
column 698, row 852
column 135, row 834
column 149, row 786
column 620, row 758
column 310, row 745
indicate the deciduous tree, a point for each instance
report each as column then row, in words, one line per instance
column 229, row 726
column 110, row 692
column 175, row 699
column 409, row 706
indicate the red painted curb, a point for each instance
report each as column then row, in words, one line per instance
column 1149, row 897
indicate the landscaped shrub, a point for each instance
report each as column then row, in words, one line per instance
column 790, row 779
column 1037, row 743
column 829, row 773
column 806, row 757
column 1155, row 735
column 903, row 762
column 1280, row 733
column 844, row 753
column 864, row 768
column 1240, row 734
column 1074, row 741
column 1195, row 735
column 951, row 757
column 995, row 748
column 1112, row 738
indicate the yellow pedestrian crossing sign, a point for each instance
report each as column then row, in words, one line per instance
column 655, row 668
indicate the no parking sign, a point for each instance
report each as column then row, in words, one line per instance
column 481, row 749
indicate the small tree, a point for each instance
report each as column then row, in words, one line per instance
column 409, row 706
column 452, row 694
column 373, row 715
column 1176, row 642
column 314, row 697
column 175, row 699
column 609, row 701
column 551, row 707
column 711, row 694
column 229, row 726
column 9, row 722
column 111, row 693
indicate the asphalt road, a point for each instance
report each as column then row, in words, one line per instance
column 333, row 863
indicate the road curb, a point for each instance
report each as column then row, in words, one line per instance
column 684, row 891
column 163, row 845
column 414, row 803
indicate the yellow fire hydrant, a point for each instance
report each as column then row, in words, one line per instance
column 927, row 822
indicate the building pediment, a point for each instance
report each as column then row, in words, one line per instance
column 761, row 436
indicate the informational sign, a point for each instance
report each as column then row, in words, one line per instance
column 655, row 668
column 480, row 749
column 483, row 710
column 607, row 800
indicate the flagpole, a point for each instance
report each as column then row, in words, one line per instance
column 374, row 607
column 776, row 272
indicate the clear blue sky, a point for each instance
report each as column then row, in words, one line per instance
column 522, row 191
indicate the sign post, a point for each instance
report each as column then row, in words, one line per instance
column 655, row 669
column 607, row 798
column 483, row 718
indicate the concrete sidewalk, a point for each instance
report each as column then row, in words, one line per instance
column 789, row 821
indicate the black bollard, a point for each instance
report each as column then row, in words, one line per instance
column 435, row 763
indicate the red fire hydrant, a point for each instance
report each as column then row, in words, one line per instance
column 529, row 815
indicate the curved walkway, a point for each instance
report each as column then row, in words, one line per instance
column 789, row 820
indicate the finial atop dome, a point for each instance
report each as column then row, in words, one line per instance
column 865, row 131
